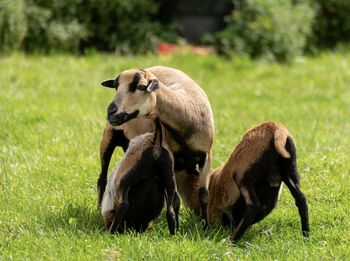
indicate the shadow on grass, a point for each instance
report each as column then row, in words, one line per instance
column 84, row 218
column 266, row 230
column 74, row 217
column 190, row 227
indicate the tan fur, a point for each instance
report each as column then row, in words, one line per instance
column 188, row 187
column 251, row 147
column 180, row 97
column 280, row 138
column 137, row 126
column 223, row 194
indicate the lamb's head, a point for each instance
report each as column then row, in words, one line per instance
column 135, row 95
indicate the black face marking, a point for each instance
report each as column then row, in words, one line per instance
column 120, row 118
column 135, row 81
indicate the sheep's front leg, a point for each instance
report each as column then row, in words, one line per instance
column 204, row 172
column 166, row 169
column 111, row 138
column 253, row 208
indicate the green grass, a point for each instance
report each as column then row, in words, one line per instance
column 52, row 114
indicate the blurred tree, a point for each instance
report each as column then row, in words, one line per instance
column 13, row 24
column 275, row 30
column 332, row 23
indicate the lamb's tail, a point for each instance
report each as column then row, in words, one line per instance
column 280, row 138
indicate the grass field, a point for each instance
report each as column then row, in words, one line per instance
column 52, row 114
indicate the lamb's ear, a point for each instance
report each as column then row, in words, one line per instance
column 109, row 83
column 153, row 85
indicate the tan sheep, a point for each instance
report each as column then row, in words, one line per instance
column 182, row 107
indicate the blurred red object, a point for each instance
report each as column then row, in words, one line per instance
column 169, row 48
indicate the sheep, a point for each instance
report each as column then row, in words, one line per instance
column 184, row 110
column 246, row 188
column 138, row 184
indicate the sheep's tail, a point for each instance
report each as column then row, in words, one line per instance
column 280, row 138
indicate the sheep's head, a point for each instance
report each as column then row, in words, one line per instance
column 134, row 97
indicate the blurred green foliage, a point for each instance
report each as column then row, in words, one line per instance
column 275, row 30
column 332, row 23
column 13, row 24
column 125, row 26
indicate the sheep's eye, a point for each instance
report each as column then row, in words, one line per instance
column 142, row 87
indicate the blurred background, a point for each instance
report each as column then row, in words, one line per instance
column 272, row 29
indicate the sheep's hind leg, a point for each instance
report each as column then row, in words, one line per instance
column 300, row 200
column 204, row 173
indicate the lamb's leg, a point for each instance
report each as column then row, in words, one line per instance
column 204, row 172
column 111, row 138
column 292, row 182
column 252, row 209
column 165, row 168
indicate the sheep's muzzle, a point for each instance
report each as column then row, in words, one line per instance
column 120, row 118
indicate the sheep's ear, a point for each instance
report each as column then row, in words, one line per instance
column 109, row 83
column 153, row 85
